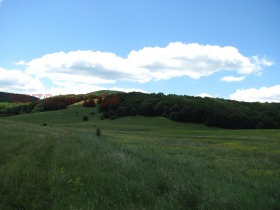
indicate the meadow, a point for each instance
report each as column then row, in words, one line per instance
column 136, row 163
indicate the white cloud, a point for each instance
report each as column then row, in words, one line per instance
column 264, row 94
column 127, row 90
column 77, row 66
column 232, row 79
column 87, row 71
column 1, row 1
column 19, row 82
column 203, row 95
column 148, row 64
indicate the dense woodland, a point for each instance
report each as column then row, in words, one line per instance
column 48, row 104
column 209, row 111
column 14, row 98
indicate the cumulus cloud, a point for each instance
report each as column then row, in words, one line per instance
column 85, row 71
column 147, row 64
column 19, row 82
column 263, row 94
column 77, row 66
column 232, row 79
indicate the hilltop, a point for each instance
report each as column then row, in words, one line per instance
column 104, row 92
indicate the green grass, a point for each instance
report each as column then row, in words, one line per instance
column 137, row 163
column 4, row 105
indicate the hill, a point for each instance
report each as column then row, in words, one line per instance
column 104, row 92
column 211, row 112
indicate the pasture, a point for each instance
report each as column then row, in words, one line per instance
column 137, row 163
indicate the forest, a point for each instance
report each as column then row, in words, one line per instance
column 212, row 112
column 14, row 97
column 47, row 104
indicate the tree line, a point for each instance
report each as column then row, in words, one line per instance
column 209, row 111
column 49, row 104
column 14, row 97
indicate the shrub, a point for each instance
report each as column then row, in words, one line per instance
column 85, row 118
column 98, row 132
column 89, row 103
column 44, row 124
column 113, row 117
column 85, row 103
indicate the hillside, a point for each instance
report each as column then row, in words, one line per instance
column 211, row 112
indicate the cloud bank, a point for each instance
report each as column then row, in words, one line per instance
column 263, row 94
column 18, row 82
column 148, row 64
column 85, row 71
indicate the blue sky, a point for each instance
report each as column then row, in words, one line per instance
column 225, row 49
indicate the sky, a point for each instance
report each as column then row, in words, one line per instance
column 214, row 48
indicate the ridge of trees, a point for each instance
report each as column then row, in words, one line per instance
column 15, row 97
column 209, row 111
column 49, row 104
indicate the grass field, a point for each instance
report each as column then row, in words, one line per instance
column 137, row 163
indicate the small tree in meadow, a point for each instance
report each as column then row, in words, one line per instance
column 98, row 132
column 85, row 103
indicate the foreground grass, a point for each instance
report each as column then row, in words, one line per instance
column 137, row 163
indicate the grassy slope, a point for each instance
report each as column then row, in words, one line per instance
column 138, row 163
column 4, row 105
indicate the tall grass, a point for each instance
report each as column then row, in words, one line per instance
column 149, row 164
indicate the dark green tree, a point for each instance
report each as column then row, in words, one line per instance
column 98, row 132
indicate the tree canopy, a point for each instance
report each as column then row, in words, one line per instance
column 209, row 111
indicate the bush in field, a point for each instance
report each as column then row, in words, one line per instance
column 98, row 132
column 85, row 118
column 89, row 103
